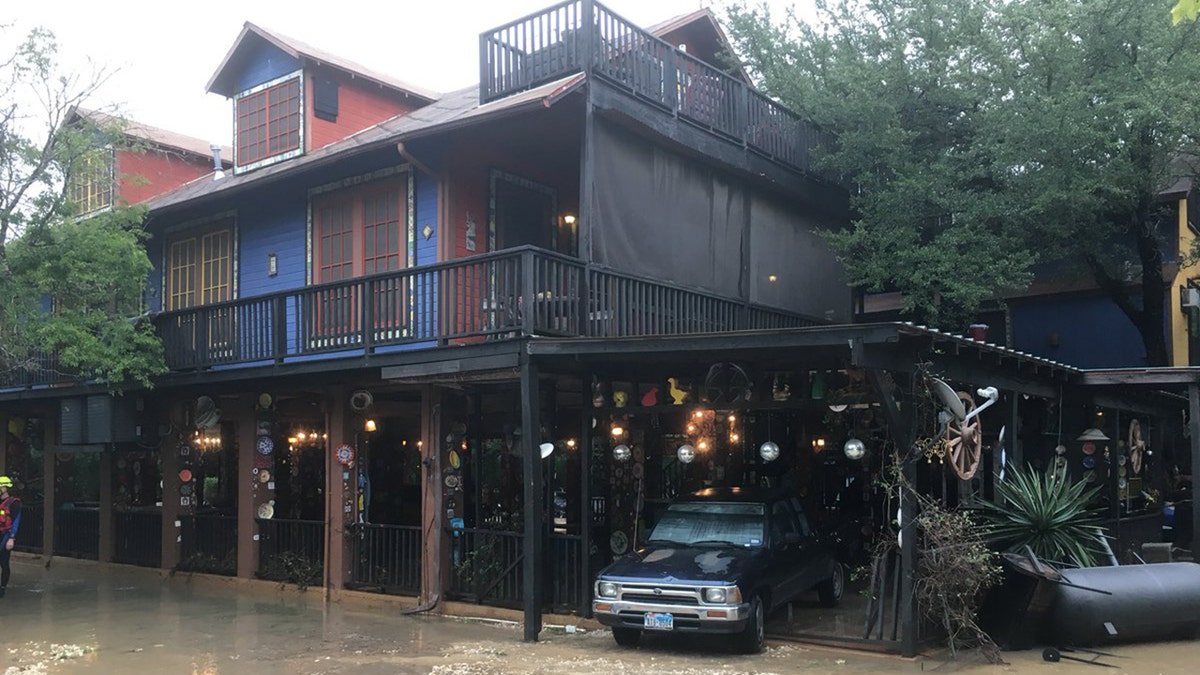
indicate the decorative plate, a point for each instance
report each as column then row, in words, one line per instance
column 455, row 460
column 185, row 490
column 1121, row 459
column 1089, row 448
column 1090, row 476
column 266, row 511
column 1121, row 472
column 618, row 542
column 344, row 454
column 1122, row 483
column 451, row 481
column 637, row 470
column 1089, row 462
column 185, row 475
column 264, row 476
column 265, row 445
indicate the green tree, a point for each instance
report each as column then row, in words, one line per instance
column 68, row 286
column 992, row 141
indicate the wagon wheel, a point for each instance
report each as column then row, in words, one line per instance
column 965, row 440
column 726, row 383
column 1137, row 447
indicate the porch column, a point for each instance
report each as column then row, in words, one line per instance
column 534, row 530
column 49, row 499
column 432, row 549
column 585, row 494
column 107, row 535
column 1194, row 438
column 339, row 503
column 168, row 456
column 247, row 527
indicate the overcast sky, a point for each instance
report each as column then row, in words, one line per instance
column 165, row 52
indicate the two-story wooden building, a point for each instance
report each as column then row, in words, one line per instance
column 445, row 344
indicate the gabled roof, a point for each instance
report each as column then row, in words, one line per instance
column 223, row 80
column 451, row 110
column 154, row 135
column 703, row 22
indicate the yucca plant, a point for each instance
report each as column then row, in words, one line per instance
column 1049, row 515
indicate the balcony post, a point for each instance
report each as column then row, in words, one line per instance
column 367, row 299
column 105, row 544
column 247, row 526
column 49, row 498
column 278, row 328
column 533, row 541
column 485, row 83
column 528, row 293
column 587, row 19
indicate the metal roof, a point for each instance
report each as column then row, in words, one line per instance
column 155, row 135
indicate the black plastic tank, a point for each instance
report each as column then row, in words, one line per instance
column 1127, row 603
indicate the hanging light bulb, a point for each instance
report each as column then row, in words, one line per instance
column 571, row 443
column 769, row 451
column 734, row 437
column 732, row 418
column 691, row 428
column 686, row 454
column 618, row 431
column 702, row 445
column 370, row 425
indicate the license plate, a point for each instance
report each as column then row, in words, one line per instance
column 653, row 621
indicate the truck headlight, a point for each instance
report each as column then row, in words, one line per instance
column 720, row 596
column 606, row 589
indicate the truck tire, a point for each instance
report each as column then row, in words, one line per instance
column 753, row 637
column 830, row 591
column 627, row 637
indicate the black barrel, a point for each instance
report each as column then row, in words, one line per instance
column 1128, row 603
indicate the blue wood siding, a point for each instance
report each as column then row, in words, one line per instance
column 425, row 214
column 265, row 62
column 1091, row 332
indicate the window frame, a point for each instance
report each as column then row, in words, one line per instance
column 356, row 197
column 196, row 234
column 95, row 179
column 269, row 159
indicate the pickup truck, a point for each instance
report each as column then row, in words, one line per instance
column 717, row 561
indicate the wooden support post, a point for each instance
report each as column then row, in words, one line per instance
column 106, row 544
column 339, row 488
column 585, row 495
column 49, row 498
column 901, row 432
column 534, row 526
column 247, row 526
column 4, row 417
column 1194, row 438
column 168, row 456
column 432, row 527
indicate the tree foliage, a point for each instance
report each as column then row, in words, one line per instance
column 995, row 141
column 71, row 289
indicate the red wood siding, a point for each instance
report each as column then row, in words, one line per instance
column 142, row 175
column 360, row 104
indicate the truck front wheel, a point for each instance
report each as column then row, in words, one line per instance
column 627, row 637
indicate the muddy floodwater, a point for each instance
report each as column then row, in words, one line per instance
column 82, row 618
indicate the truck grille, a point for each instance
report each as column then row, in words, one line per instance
column 663, row 595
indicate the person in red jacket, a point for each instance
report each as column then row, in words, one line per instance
column 10, row 520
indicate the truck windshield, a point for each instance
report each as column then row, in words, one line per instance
column 699, row 523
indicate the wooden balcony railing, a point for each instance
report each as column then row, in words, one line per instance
column 585, row 36
column 495, row 296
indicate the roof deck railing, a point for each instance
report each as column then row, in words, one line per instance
column 585, row 36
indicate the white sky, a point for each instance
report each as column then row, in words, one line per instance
column 165, row 52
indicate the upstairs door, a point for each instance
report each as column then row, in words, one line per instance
column 523, row 213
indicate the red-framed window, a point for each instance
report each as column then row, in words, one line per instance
column 360, row 231
column 199, row 267
column 268, row 122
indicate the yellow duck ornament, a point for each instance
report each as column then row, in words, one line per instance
column 679, row 396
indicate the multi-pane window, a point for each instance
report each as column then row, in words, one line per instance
column 90, row 185
column 268, row 122
column 200, row 268
column 360, row 231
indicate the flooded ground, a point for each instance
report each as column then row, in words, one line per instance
column 80, row 618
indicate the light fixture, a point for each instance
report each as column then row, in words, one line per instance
column 772, row 278
column 272, row 264
column 734, row 438
column 547, row 449
column 618, row 431
column 1099, row 413
column 622, row 453
column 691, row 428
column 699, row 414
column 838, row 407
column 854, row 449
column 732, row 418
column 818, row 444
column 686, row 453
column 369, row 426
column 1092, row 434
column 769, row 451
column 292, row 440
column 571, row 443
column 702, row 445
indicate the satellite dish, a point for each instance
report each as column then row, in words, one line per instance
column 950, row 399
column 361, row 400
column 207, row 413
